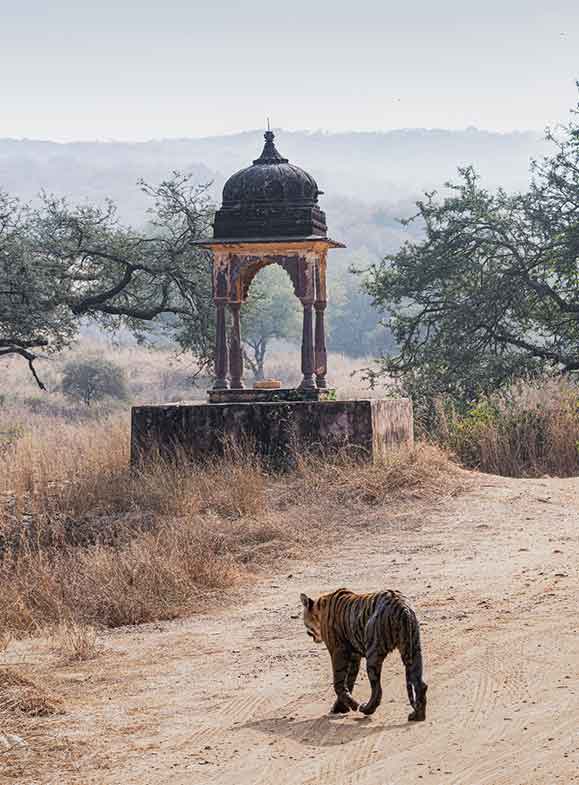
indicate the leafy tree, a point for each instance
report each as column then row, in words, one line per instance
column 60, row 262
column 271, row 311
column 354, row 325
column 32, row 315
column 492, row 288
column 93, row 379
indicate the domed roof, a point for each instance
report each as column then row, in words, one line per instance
column 270, row 198
column 271, row 178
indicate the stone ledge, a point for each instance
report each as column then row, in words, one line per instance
column 270, row 395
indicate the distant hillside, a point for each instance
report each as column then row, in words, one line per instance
column 372, row 167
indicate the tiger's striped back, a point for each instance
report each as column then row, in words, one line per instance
column 345, row 615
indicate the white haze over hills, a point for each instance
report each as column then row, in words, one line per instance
column 369, row 179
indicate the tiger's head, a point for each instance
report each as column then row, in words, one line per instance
column 312, row 618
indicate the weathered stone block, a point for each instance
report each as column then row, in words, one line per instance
column 367, row 427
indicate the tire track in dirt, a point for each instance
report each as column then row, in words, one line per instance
column 231, row 712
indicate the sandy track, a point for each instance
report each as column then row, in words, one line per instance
column 240, row 697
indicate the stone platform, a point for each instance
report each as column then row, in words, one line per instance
column 276, row 430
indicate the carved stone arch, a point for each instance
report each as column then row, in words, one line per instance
column 235, row 265
column 248, row 276
column 289, row 264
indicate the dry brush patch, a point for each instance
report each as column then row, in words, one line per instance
column 423, row 473
column 530, row 429
column 86, row 540
column 21, row 694
column 25, row 708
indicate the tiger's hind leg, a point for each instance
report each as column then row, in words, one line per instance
column 343, row 670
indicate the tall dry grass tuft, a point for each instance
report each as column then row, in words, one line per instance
column 528, row 430
column 74, row 642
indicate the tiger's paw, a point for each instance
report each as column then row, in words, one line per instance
column 339, row 708
column 418, row 715
column 367, row 709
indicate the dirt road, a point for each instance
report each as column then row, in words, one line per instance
column 241, row 697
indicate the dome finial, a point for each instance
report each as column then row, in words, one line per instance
column 269, row 153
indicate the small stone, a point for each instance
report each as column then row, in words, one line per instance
column 9, row 741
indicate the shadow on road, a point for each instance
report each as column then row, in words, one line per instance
column 326, row 731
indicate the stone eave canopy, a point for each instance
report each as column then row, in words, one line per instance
column 217, row 242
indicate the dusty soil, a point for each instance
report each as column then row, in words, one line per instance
column 241, row 696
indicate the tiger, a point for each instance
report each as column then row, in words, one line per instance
column 367, row 625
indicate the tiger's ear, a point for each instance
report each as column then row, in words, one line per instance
column 307, row 602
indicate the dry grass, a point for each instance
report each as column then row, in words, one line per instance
column 56, row 478
column 25, row 706
column 74, row 642
column 19, row 694
column 87, row 541
column 422, row 473
column 5, row 639
column 153, row 375
column 528, row 430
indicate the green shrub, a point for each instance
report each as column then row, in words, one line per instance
column 93, row 379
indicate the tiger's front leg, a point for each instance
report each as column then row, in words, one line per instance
column 341, row 664
column 353, row 672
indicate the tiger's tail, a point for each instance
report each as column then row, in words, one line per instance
column 412, row 658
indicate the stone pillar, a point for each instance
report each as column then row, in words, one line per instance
column 221, row 353
column 235, row 348
column 308, row 357
column 321, row 355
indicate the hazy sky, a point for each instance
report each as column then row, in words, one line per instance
column 121, row 69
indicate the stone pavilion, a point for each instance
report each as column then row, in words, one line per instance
column 270, row 215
